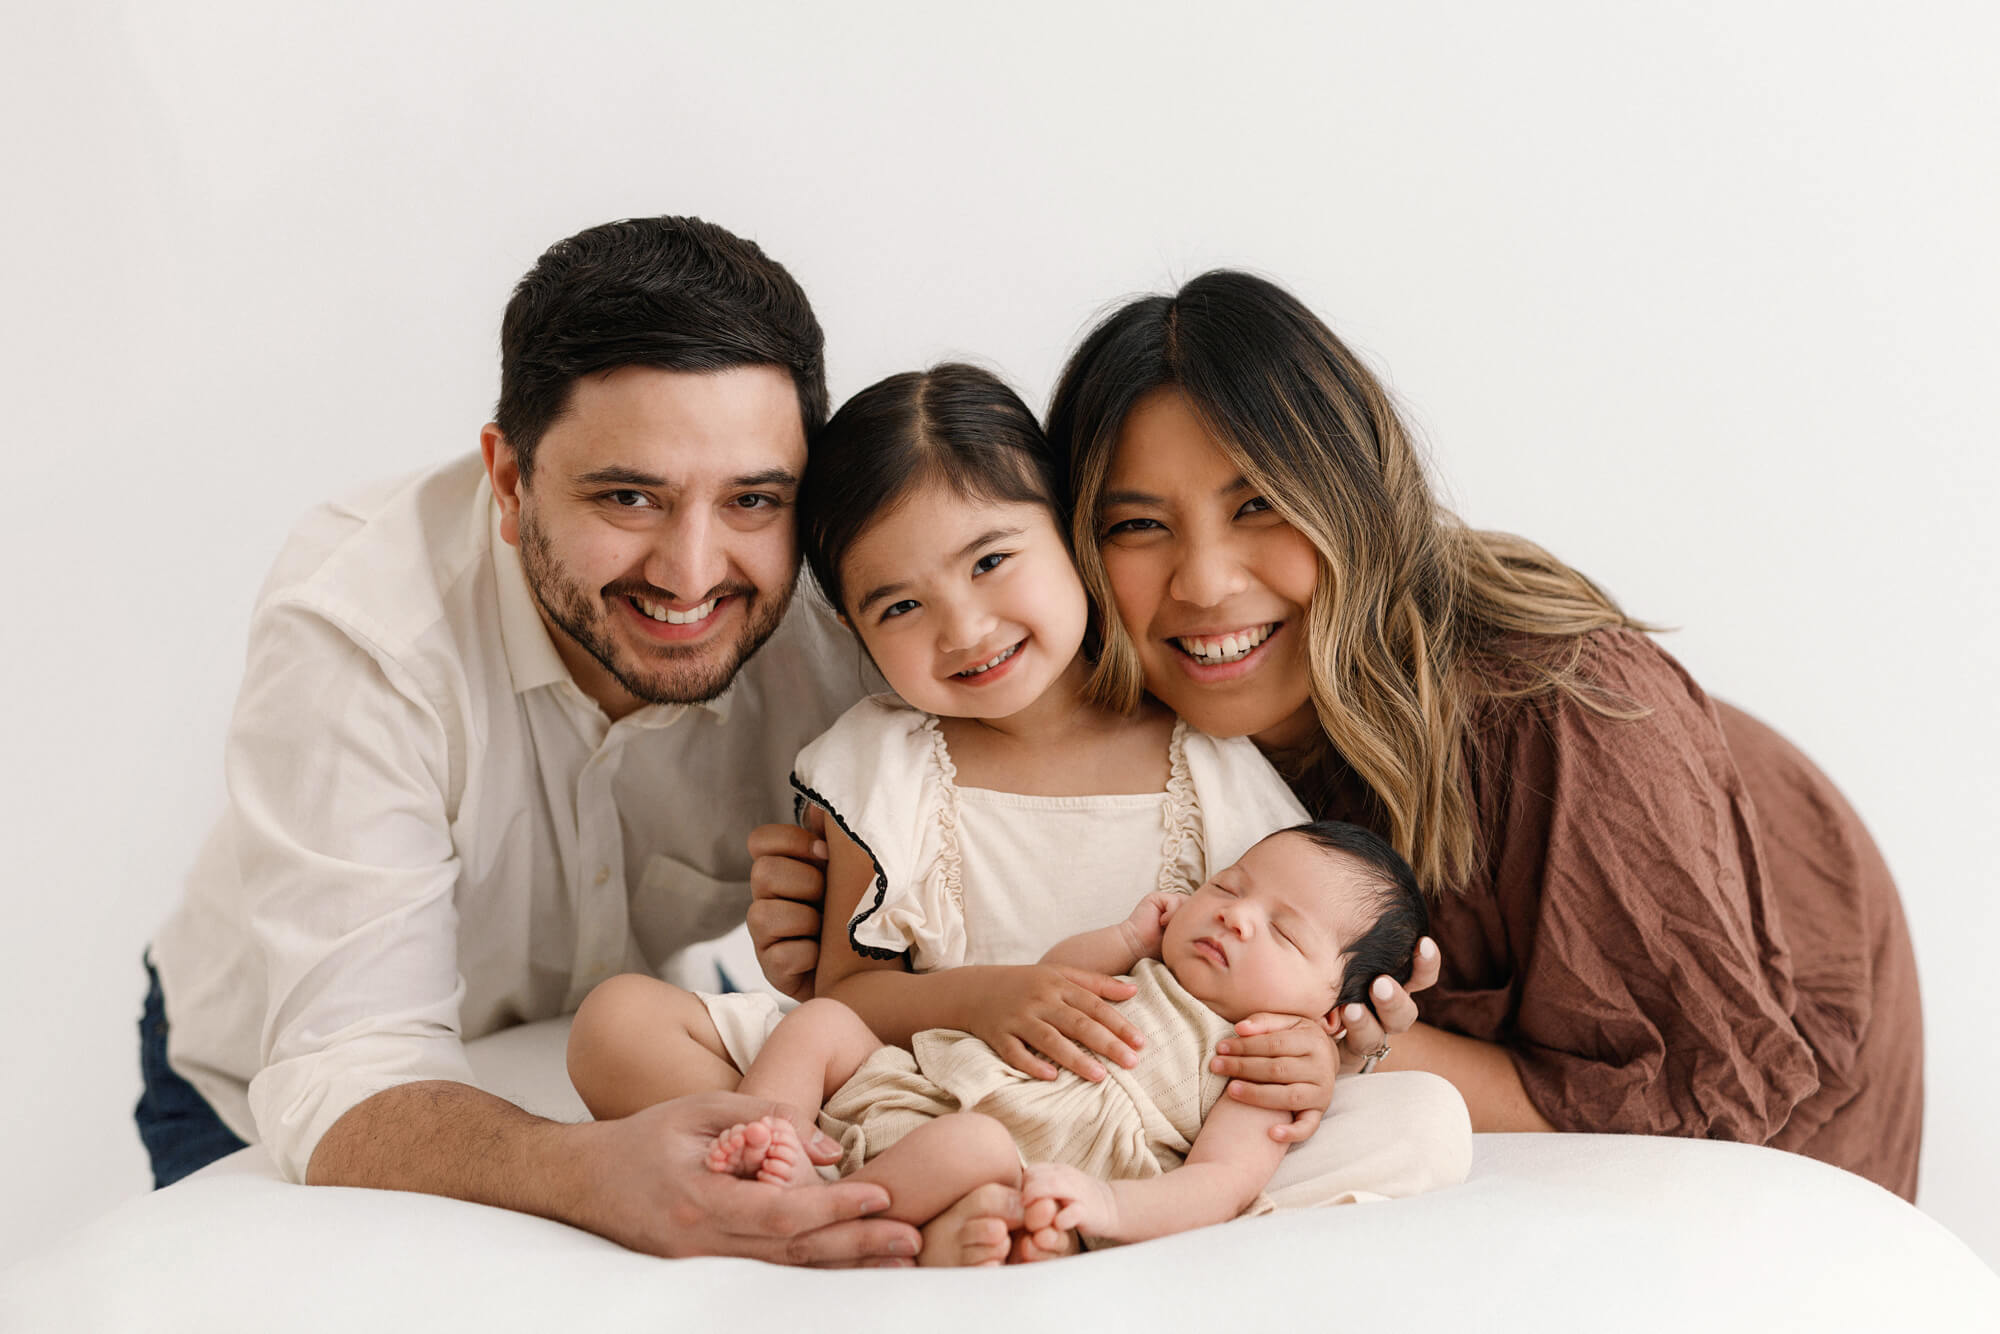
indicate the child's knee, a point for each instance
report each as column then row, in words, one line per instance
column 831, row 1022
column 624, row 1005
column 982, row 1144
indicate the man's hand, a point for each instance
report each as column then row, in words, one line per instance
column 1284, row 1063
column 787, row 886
column 649, row 1188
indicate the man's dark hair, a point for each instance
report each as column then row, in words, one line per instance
column 953, row 423
column 1402, row 918
column 676, row 293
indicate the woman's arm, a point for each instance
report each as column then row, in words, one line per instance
column 1232, row 1159
column 1483, row 1073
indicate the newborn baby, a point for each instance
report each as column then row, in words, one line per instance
column 1299, row 926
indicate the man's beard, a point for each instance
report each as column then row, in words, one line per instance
column 667, row 673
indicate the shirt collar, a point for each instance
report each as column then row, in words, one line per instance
column 532, row 660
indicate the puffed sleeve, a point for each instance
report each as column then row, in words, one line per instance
column 883, row 776
column 1237, row 799
column 1624, row 943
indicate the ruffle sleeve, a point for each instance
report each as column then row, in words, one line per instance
column 883, row 775
column 1626, row 945
column 1233, row 798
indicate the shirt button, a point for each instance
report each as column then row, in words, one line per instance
column 603, row 874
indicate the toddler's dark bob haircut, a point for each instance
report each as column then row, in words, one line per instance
column 954, row 424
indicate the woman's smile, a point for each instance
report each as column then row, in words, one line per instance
column 1211, row 583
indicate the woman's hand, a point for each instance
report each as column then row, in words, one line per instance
column 787, row 886
column 1368, row 1033
column 1282, row 1062
column 1055, row 1011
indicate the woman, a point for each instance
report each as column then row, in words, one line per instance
column 1655, row 915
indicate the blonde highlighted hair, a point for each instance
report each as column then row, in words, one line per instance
column 1415, row 618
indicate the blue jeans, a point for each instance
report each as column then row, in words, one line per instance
column 181, row 1131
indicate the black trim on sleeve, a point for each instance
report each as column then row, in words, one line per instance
column 805, row 796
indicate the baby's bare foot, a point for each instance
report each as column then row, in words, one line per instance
column 785, row 1162
column 767, row 1149
column 974, row 1231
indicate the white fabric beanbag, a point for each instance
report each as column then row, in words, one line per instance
column 1552, row 1232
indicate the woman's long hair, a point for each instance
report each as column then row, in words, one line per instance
column 1414, row 619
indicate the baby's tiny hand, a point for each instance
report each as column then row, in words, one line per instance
column 1084, row 1204
column 1147, row 925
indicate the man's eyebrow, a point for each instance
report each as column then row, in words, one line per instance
column 1241, row 483
column 768, row 477
column 875, row 595
column 619, row 475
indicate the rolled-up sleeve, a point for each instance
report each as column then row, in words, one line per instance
column 338, row 772
column 1637, row 971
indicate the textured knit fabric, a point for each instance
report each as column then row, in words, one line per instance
column 1132, row 1124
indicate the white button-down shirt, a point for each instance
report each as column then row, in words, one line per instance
column 432, row 833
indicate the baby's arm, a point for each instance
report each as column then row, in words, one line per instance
column 1117, row 949
column 1232, row 1159
column 1025, row 1013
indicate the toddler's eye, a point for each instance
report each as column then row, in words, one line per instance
column 989, row 562
column 899, row 608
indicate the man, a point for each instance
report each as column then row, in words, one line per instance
column 502, row 730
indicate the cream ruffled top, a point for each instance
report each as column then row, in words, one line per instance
column 967, row 875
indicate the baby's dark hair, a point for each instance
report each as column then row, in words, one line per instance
column 953, row 423
column 1401, row 917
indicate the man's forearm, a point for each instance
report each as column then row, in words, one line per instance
column 443, row 1138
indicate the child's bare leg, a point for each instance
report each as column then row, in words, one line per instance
column 813, row 1051
column 934, row 1175
column 637, row 1040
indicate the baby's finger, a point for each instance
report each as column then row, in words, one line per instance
column 1017, row 1054
column 1299, row 1129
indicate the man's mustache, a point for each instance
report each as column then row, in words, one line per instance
column 629, row 589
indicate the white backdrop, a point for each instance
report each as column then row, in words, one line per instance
column 1700, row 296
